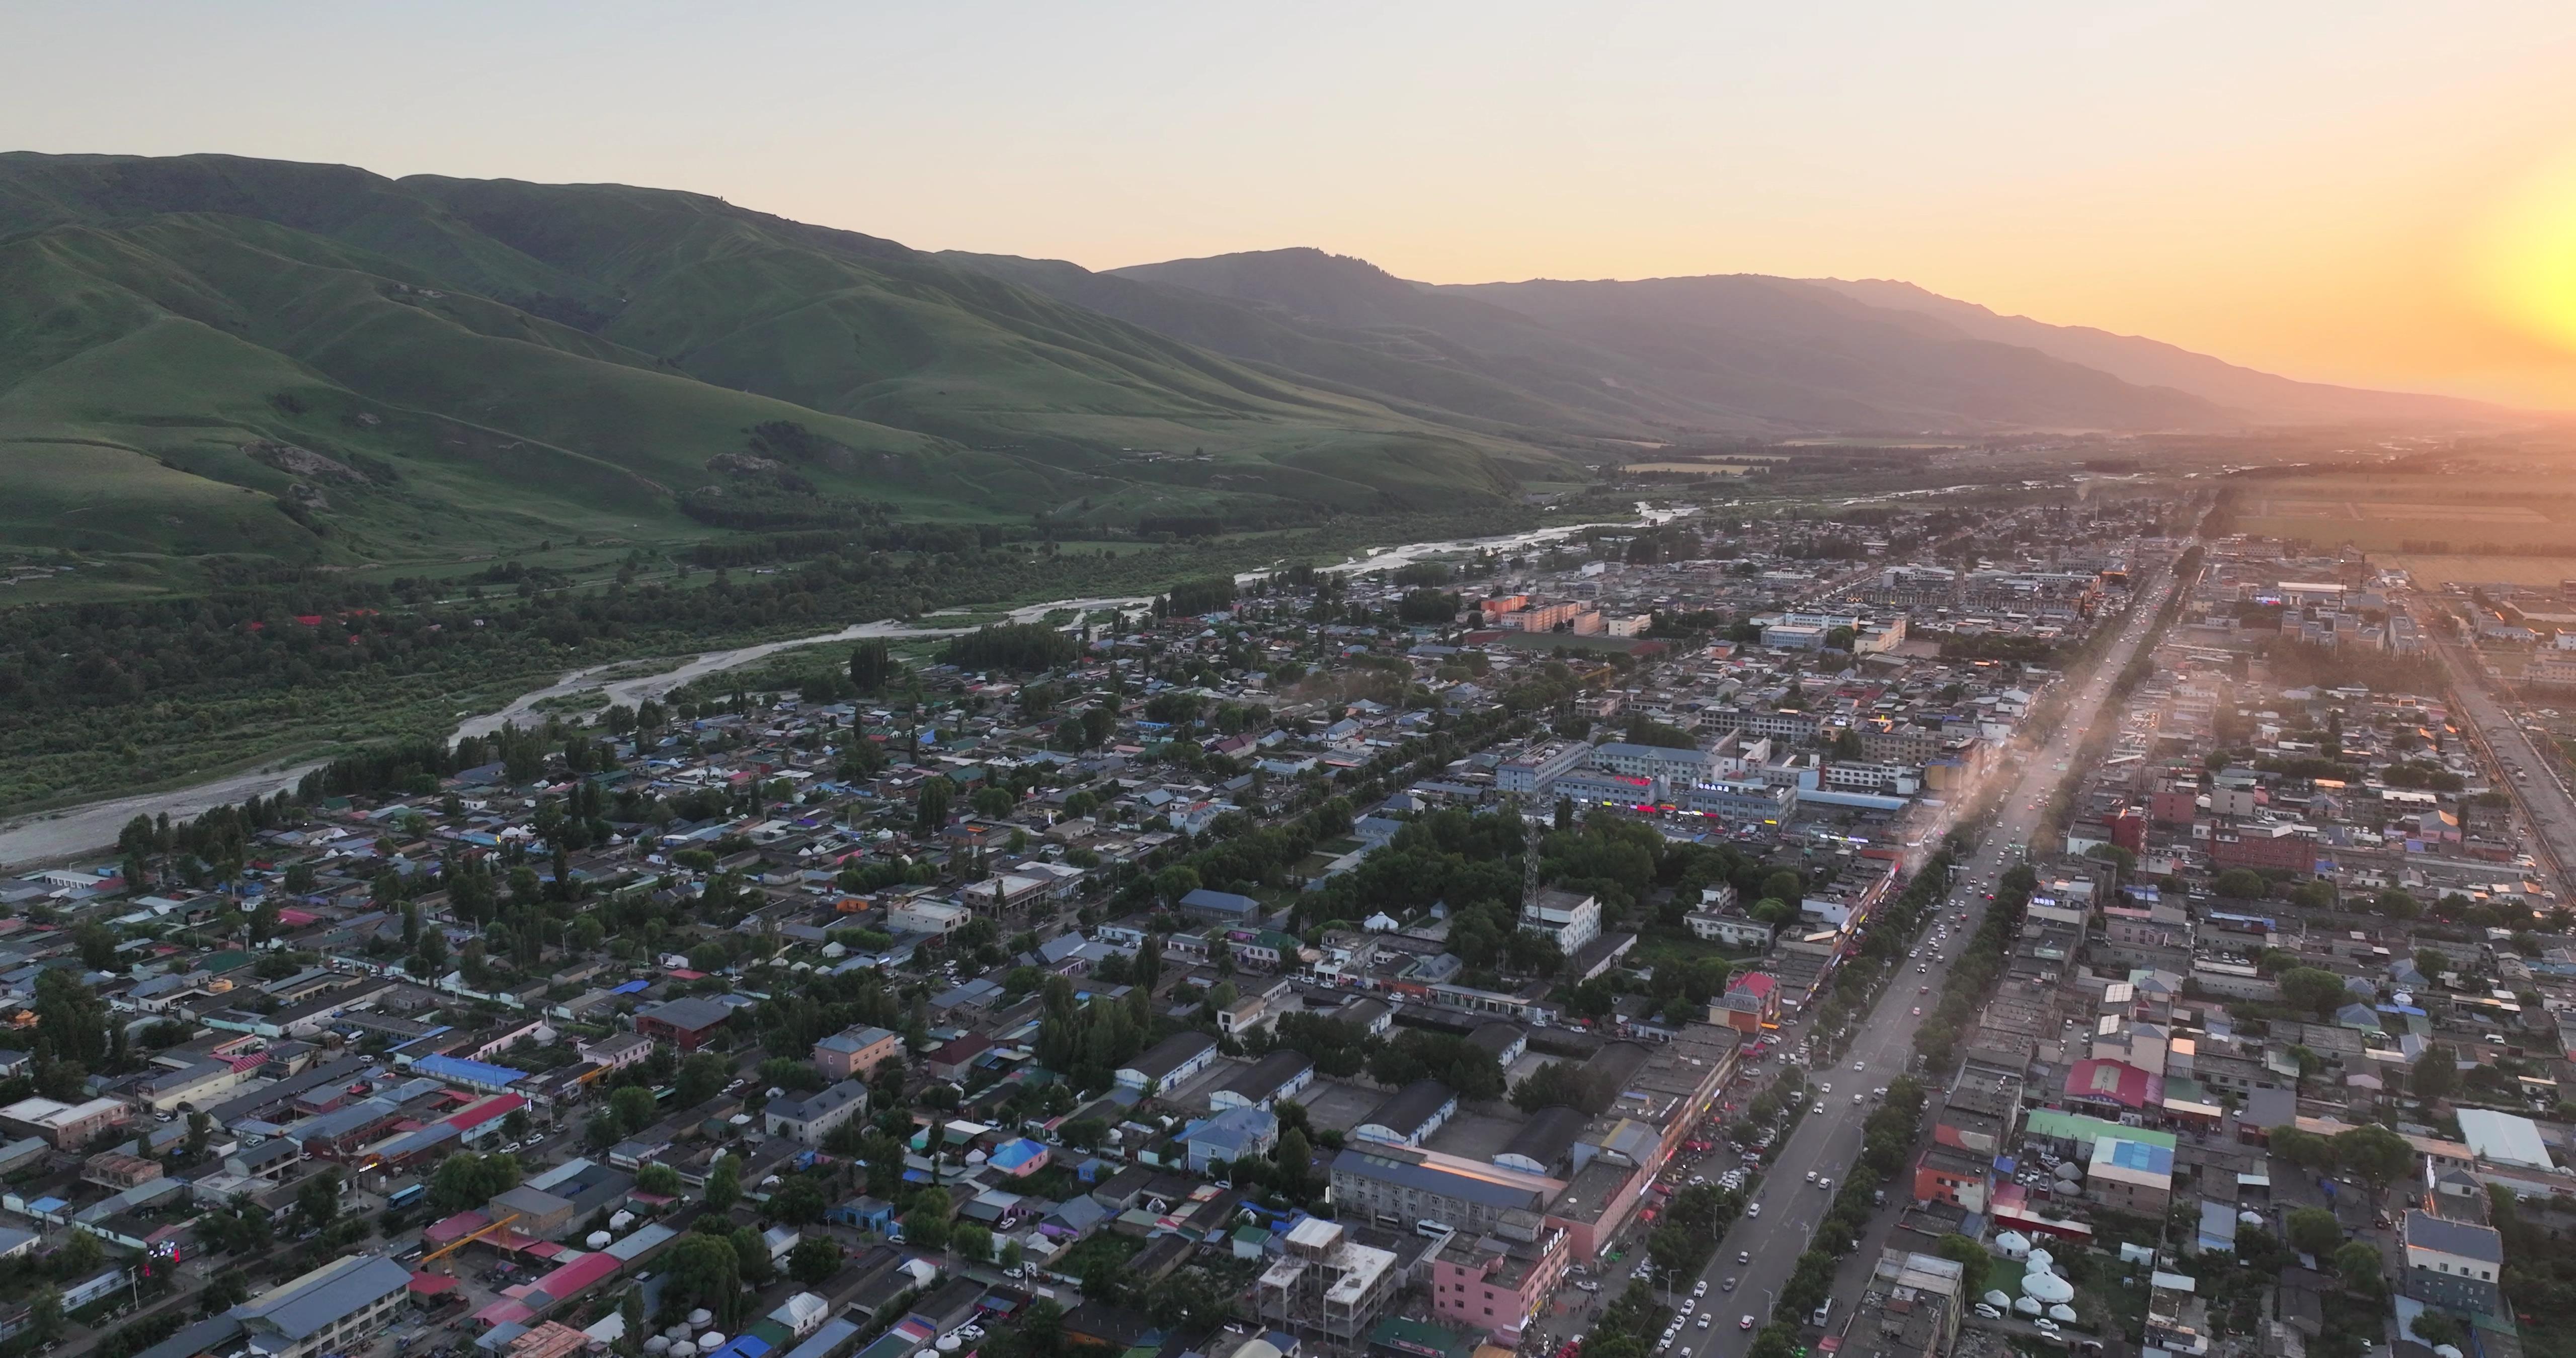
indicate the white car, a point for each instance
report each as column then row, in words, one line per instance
column 1701, row 1290
column 1689, row 1304
column 1703, row 1323
column 1856, row 1065
column 1824, row 1089
column 1752, row 1209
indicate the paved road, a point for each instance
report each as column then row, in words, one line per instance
column 2545, row 802
column 1828, row 1140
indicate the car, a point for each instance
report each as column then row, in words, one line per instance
column 1702, row 1323
column 1745, row 1324
column 1918, row 1011
column 1923, row 990
column 1752, row 1209
column 1988, row 1312
column 1744, row 1256
column 1811, row 1176
column 1858, row 1065
column 1689, row 1304
column 2044, row 1325
column 1879, row 1093
column 1825, row 1183
column 1856, row 1100
column 1587, row 1285
column 1700, row 1289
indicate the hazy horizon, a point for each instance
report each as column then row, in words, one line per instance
column 2380, row 198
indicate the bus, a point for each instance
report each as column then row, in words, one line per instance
column 405, row 1197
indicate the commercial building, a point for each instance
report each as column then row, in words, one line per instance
column 1496, row 1282
column 686, row 1023
column 1398, row 1187
column 1533, row 769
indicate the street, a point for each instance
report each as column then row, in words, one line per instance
column 2544, row 800
column 1828, row 1140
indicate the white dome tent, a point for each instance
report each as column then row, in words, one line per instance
column 2062, row 1311
column 2048, row 1288
column 2012, row 1244
column 2026, row 1306
column 1997, row 1299
column 2041, row 1261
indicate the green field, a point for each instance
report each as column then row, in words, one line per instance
column 2456, row 515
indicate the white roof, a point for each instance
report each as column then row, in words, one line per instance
column 2504, row 1138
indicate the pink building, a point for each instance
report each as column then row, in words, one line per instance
column 1497, row 1284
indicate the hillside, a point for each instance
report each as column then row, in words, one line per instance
column 2133, row 358
column 210, row 354
column 1738, row 353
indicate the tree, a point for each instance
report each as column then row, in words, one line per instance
column 930, row 805
column 658, row 1179
column 2314, row 989
column 2314, row 1231
column 2359, row 1265
column 971, row 1243
column 815, row 1259
column 703, row 1268
column 2397, row 904
column 2436, row 1073
column 317, row 1199
column 79, row 1257
column 1782, row 886
column 2436, row 1328
column 798, row 1202
column 724, row 1184
column 702, row 1077
column 2374, row 1155
column 634, row 1108
column 926, row 1225
column 2307, row 1150
column 2244, row 884
column 97, row 945
column 871, row 665
column 45, row 1312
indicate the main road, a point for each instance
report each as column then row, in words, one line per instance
column 1828, row 1139
column 2543, row 798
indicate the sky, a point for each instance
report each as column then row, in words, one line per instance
column 2380, row 194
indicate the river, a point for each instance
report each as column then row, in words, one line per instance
column 58, row 836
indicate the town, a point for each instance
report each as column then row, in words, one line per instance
column 1457, row 957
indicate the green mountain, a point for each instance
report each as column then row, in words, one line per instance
column 211, row 354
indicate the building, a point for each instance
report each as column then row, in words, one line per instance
column 935, row 918
column 810, row 1118
column 1235, row 1134
column 1265, row 1082
column 1324, row 1282
column 1570, row 918
column 327, row 1310
column 1532, row 770
column 1169, row 1063
column 686, row 1023
column 1398, row 1188
column 2452, row 1264
column 1222, row 907
column 856, row 1053
column 616, row 1051
column 1750, row 1005
column 1498, row 1281
column 69, row 1126
column 2259, row 846
column 1745, row 801
column 1680, row 767
column 2135, row 1176
column 1409, row 1116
